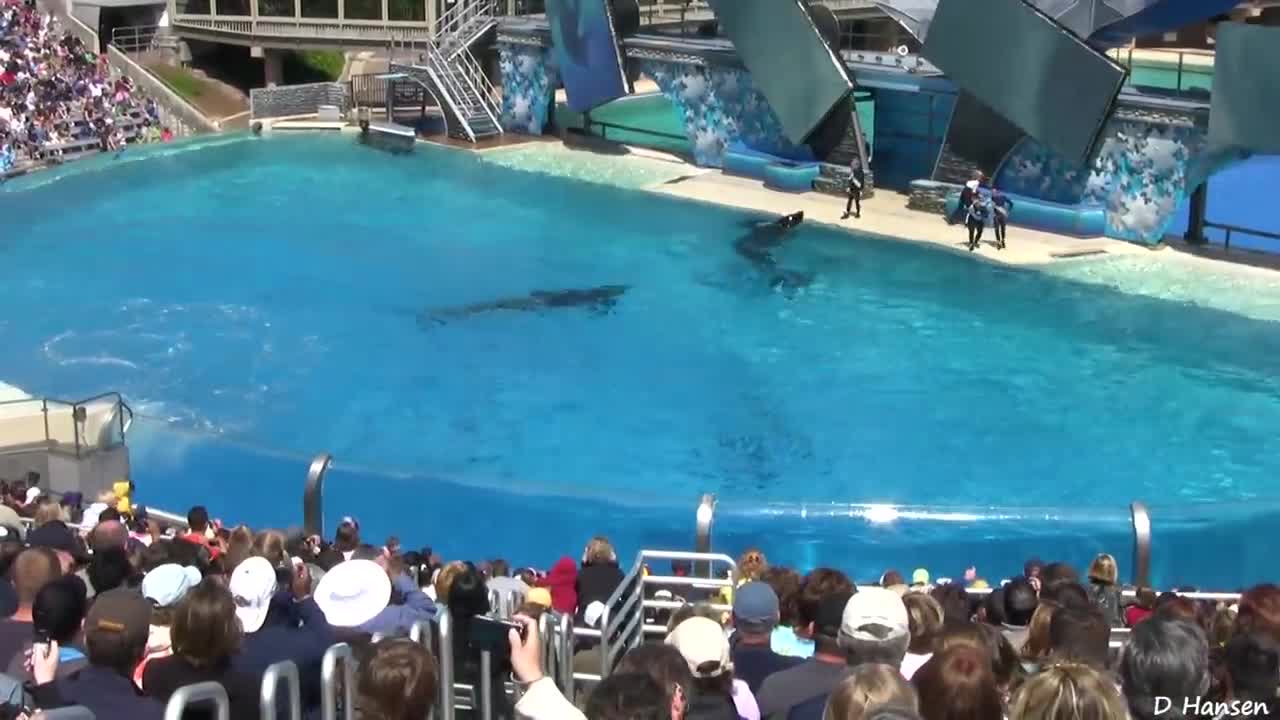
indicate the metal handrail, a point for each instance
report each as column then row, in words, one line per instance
column 199, row 692
column 449, row 98
column 284, row 670
column 313, row 495
column 480, row 85
column 1141, row 520
column 444, row 622
column 460, row 14
column 335, row 656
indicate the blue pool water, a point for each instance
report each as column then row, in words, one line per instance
column 258, row 301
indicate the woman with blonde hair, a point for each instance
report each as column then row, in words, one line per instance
column 598, row 577
column 868, row 687
column 1103, row 588
column 1068, row 691
column 924, row 619
column 1036, row 650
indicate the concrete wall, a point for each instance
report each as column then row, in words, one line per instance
column 287, row 100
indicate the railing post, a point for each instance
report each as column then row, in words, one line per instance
column 1141, row 520
column 445, row 622
column 335, row 655
column 1181, row 58
column 288, row 671
column 486, row 682
column 200, row 692
column 313, row 493
column 705, row 516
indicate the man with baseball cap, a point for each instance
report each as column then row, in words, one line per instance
column 704, row 647
column 873, row 628
column 280, row 623
column 801, row 691
column 755, row 614
column 115, row 638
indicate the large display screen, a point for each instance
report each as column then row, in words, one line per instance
column 1028, row 68
column 789, row 61
column 586, row 45
column 1245, row 101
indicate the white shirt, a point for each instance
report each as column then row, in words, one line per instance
column 912, row 662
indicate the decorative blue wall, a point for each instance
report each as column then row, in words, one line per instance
column 719, row 107
column 529, row 80
column 909, row 130
column 1143, row 172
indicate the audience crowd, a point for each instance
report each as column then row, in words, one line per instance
column 106, row 611
column 54, row 90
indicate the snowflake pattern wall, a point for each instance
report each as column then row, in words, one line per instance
column 529, row 79
column 1141, row 175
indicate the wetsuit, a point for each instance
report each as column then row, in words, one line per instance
column 976, row 220
column 1001, row 206
column 856, row 180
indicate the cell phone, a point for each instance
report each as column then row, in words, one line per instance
column 492, row 634
column 40, row 643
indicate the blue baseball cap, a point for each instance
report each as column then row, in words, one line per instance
column 755, row 607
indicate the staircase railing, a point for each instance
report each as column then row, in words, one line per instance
column 452, row 93
column 471, row 71
column 457, row 18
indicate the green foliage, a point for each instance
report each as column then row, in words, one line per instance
column 180, row 81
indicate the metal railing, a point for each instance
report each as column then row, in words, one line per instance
column 1226, row 241
column 138, row 39
column 338, row 665
column 479, row 83
column 313, row 495
column 96, row 423
column 287, row 671
column 204, row 692
column 456, row 21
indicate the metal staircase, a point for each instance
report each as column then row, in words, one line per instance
column 450, row 72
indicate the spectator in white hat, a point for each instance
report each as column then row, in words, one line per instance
column 280, row 623
column 164, row 587
column 874, row 627
column 373, row 597
column 704, row 646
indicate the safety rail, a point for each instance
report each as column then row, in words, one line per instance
column 480, row 84
column 456, row 20
column 203, row 692
column 338, row 661
column 287, row 671
column 138, row 39
column 96, row 423
column 450, row 79
column 1226, row 242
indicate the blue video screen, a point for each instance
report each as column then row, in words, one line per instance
column 587, row 48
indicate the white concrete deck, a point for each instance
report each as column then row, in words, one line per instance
column 886, row 215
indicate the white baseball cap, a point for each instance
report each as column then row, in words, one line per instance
column 873, row 606
column 701, row 641
column 168, row 583
column 252, row 584
column 353, row 593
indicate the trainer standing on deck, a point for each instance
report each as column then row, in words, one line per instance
column 1001, row 206
column 856, row 178
column 976, row 219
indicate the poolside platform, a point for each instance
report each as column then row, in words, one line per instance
column 886, row 215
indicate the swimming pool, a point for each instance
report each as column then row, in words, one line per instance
column 266, row 299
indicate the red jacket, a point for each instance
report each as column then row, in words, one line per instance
column 561, row 582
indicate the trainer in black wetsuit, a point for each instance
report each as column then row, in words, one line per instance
column 1001, row 207
column 856, row 179
column 976, row 220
